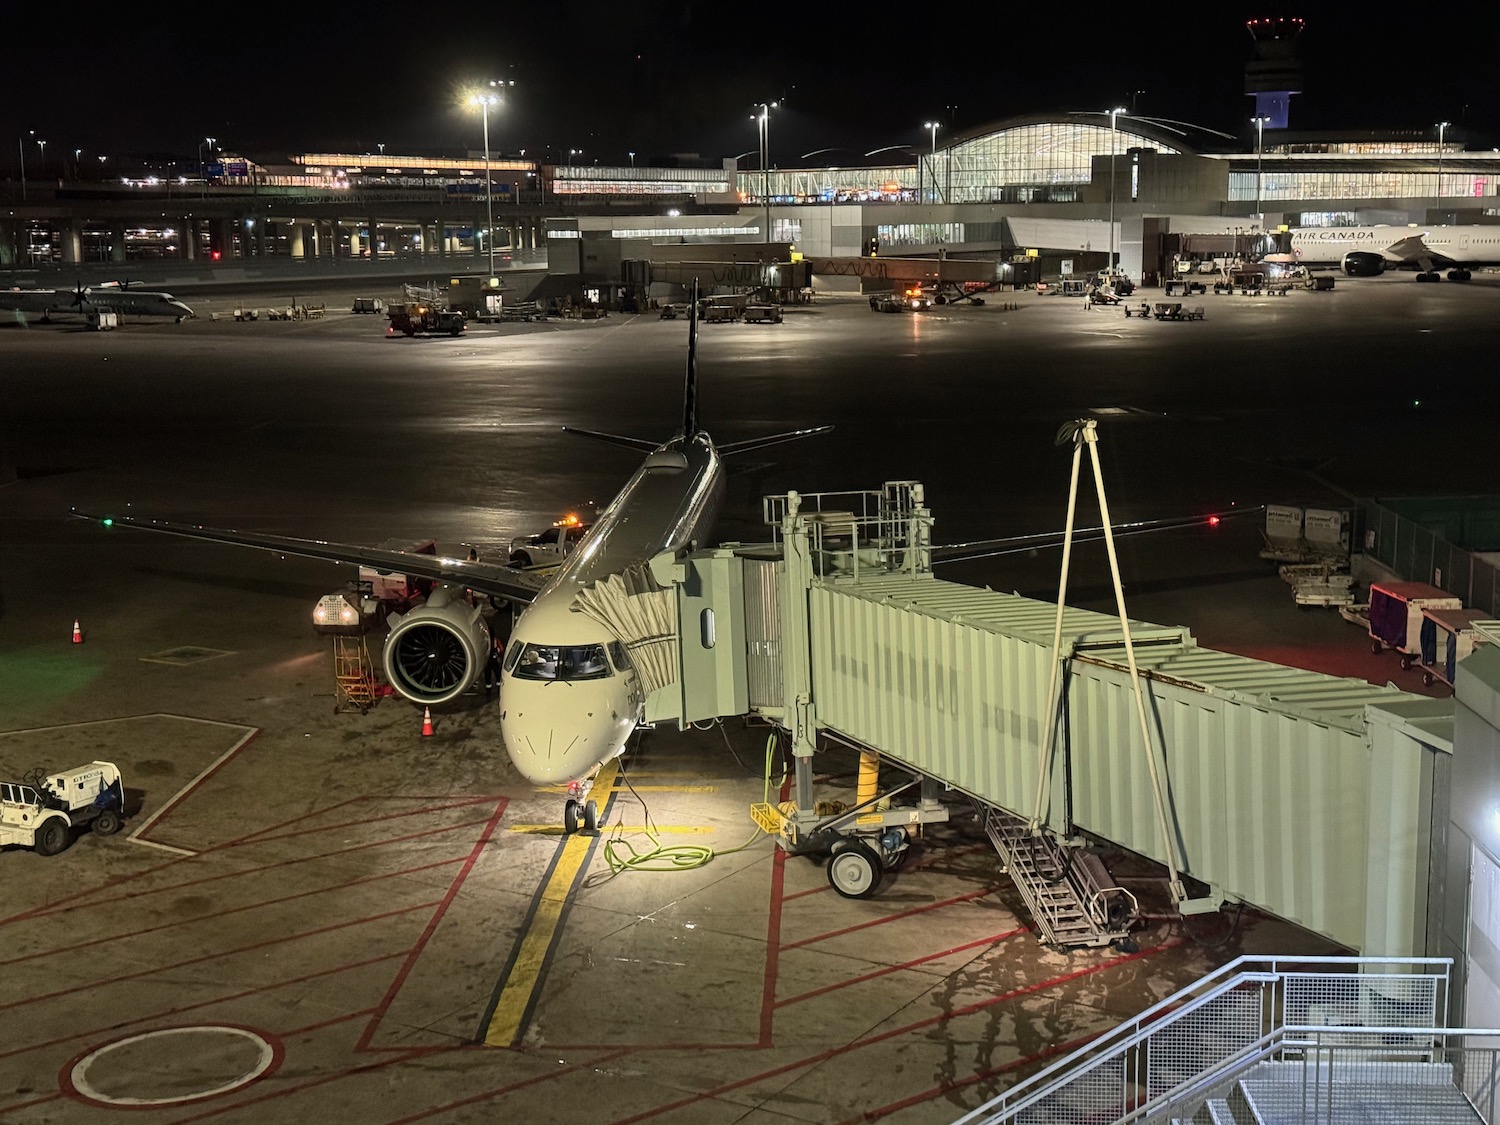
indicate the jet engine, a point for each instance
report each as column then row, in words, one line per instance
column 1362, row 263
column 439, row 650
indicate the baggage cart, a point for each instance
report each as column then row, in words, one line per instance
column 1449, row 635
column 1396, row 615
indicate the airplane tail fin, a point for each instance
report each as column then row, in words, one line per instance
column 690, row 390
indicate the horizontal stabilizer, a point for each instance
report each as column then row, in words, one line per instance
column 615, row 439
column 774, row 439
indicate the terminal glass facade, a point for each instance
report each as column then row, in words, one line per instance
column 1045, row 162
column 1352, row 183
column 829, row 185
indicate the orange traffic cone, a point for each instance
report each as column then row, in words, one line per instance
column 77, row 633
column 427, row 731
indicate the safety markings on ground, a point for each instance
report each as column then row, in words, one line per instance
column 202, row 957
column 515, row 995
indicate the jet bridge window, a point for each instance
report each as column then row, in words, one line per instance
column 562, row 662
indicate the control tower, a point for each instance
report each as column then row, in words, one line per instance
column 1275, row 73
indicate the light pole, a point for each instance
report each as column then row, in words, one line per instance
column 484, row 101
column 1113, row 144
column 381, row 146
column 1438, row 196
column 763, row 119
column 932, row 127
column 42, row 159
column 21, row 148
column 1260, row 136
column 203, row 168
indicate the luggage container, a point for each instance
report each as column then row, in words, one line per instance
column 1396, row 615
column 1449, row 635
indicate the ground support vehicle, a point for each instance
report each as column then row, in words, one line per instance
column 1396, row 615
column 415, row 317
column 762, row 314
column 42, row 811
column 368, row 305
column 549, row 547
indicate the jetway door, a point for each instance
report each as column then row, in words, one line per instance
column 712, row 630
column 763, row 632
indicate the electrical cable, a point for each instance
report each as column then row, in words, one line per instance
column 621, row 855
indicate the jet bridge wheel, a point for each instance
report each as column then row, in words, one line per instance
column 854, row 870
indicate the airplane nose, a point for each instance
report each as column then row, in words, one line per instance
column 557, row 733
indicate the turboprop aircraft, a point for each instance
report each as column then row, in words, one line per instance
column 110, row 297
column 570, row 695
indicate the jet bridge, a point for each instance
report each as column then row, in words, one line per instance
column 1304, row 795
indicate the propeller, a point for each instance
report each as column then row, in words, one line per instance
column 80, row 292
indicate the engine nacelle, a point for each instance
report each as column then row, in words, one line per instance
column 439, row 650
column 1362, row 263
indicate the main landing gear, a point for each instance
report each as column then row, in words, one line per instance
column 579, row 810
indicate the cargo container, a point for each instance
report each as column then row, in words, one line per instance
column 1396, row 615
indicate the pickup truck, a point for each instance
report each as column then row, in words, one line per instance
column 549, row 547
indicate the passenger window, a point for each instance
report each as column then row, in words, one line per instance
column 706, row 628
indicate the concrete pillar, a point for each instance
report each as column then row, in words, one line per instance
column 373, row 236
column 8, row 236
column 354, row 246
column 187, row 239
column 221, row 239
column 117, row 242
column 294, row 241
column 72, row 242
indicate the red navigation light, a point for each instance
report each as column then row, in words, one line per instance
column 1213, row 521
column 214, row 254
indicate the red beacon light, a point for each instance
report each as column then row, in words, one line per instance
column 1213, row 521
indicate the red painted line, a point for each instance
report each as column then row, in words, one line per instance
column 906, row 1029
column 242, row 873
column 432, row 925
column 93, row 986
column 69, row 902
column 511, row 1088
column 231, row 910
column 358, row 823
column 5, row 1109
column 177, row 1011
column 912, row 913
column 994, row 939
column 773, row 950
column 973, row 1079
column 330, row 1022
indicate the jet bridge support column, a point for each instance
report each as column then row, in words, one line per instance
column 801, row 718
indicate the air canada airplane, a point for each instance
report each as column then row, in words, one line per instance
column 1367, row 251
column 110, row 297
column 570, row 695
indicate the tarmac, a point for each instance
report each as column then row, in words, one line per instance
column 314, row 913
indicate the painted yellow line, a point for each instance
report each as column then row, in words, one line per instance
column 602, row 791
column 525, row 975
column 556, row 829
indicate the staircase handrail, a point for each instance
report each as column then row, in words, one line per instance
column 1127, row 1035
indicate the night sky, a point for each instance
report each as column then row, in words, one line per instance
column 677, row 76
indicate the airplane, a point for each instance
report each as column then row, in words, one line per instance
column 1368, row 251
column 570, row 696
column 110, row 297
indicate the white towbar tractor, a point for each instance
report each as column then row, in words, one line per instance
column 42, row 811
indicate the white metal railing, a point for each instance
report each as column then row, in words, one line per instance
column 886, row 529
column 1232, row 1018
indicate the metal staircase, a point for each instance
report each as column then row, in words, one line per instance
column 1069, row 893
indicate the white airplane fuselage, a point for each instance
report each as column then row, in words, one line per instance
column 569, row 698
column 1427, row 248
column 108, row 298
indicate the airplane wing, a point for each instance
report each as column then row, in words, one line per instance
column 505, row 582
column 1413, row 249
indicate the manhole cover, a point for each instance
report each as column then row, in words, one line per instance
column 187, row 654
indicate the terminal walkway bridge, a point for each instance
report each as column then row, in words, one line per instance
column 1301, row 794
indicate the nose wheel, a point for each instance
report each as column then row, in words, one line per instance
column 578, row 814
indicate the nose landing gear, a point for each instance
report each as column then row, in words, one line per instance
column 579, row 810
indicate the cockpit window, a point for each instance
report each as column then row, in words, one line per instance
column 562, row 662
column 618, row 658
column 512, row 656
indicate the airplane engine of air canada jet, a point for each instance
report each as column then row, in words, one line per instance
column 1362, row 263
column 439, row 650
